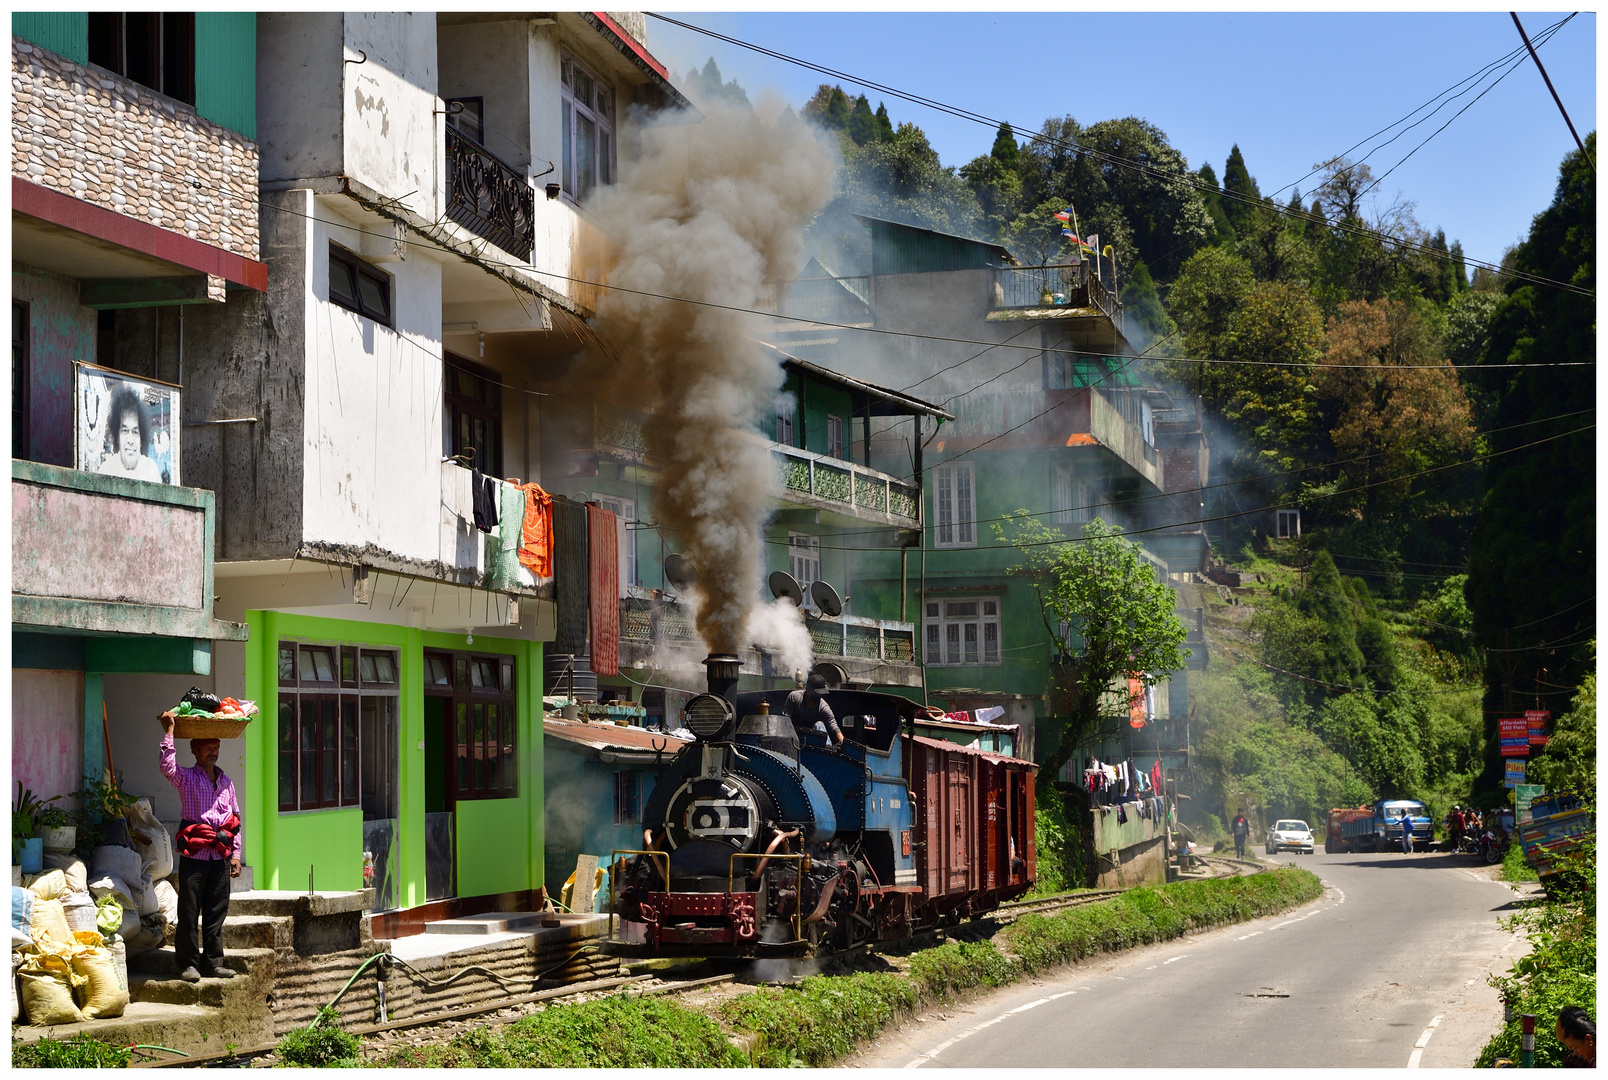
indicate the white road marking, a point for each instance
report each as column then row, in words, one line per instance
column 1176, row 958
column 1152, row 967
column 1414, row 1059
column 916, row 1063
column 1417, row 1055
column 1435, row 1023
column 1253, row 933
column 1029, row 1005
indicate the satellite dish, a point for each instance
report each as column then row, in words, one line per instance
column 680, row 572
column 826, row 598
column 784, row 586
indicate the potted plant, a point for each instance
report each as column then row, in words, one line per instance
column 28, row 847
column 100, row 815
column 56, row 828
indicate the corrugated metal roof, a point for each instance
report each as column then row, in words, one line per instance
column 909, row 249
column 610, row 736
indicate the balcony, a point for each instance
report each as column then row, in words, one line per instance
column 488, row 198
column 828, row 483
column 105, row 555
column 1073, row 288
column 873, row 651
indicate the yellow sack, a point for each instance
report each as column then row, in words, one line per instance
column 47, row 990
column 50, row 923
column 49, row 885
column 103, row 994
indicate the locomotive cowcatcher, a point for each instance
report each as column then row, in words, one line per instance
column 762, row 841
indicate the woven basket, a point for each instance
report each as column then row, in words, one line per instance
column 197, row 727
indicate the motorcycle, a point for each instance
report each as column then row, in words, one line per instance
column 1493, row 846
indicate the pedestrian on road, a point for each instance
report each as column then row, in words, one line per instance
column 1242, row 830
column 1578, row 1034
column 210, row 846
column 1455, row 827
column 1406, row 832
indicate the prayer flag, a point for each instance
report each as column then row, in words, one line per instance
column 1064, row 215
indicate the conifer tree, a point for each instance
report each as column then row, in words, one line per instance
column 862, row 122
column 1237, row 181
column 1005, row 150
column 884, row 125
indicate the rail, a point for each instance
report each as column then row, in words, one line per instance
column 489, row 198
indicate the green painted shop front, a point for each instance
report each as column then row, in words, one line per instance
column 496, row 822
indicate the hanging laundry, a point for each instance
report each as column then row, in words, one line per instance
column 1155, row 775
column 604, row 555
column 484, row 490
column 536, row 533
column 960, row 717
column 570, row 570
column 990, row 714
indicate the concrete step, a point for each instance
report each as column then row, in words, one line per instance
column 493, row 922
column 153, row 976
column 291, row 902
column 275, row 932
column 195, row 1031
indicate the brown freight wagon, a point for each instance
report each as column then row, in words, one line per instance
column 973, row 823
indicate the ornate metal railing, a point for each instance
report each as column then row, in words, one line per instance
column 488, row 198
column 854, row 487
column 1067, row 284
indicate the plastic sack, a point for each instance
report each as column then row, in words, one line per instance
column 72, row 867
column 50, row 923
column 150, row 838
column 49, row 885
column 123, row 863
column 22, row 905
column 101, row 993
column 149, row 903
column 146, row 935
column 80, row 911
column 47, row 990
column 167, row 898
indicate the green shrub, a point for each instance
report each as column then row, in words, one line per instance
column 960, row 966
column 821, row 1019
column 78, row 1052
column 1514, row 868
column 320, row 1045
column 612, row 1032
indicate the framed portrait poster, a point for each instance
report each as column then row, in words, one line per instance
column 125, row 425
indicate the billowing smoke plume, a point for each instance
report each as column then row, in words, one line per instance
column 710, row 211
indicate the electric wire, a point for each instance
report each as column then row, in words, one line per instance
column 1182, row 176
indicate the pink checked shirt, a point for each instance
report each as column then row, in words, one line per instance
column 199, row 800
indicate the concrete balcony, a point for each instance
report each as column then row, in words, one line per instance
column 105, row 555
column 827, row 483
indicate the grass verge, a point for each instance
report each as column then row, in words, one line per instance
column 825, row 1017
column 79, row 1052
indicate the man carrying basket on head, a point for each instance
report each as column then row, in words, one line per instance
column 209, row 845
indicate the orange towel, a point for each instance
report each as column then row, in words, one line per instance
column 536, row 534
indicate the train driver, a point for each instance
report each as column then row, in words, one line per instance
column 808, row 708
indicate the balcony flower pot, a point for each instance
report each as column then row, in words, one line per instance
column 59, row 838
column 31, row 857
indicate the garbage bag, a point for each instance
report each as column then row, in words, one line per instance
column 47, row 990
column 72, row 866
column 150, row 838
column 49, row 885
column 101, row 994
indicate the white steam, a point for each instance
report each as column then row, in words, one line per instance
column 709, row 212
column 778, row 628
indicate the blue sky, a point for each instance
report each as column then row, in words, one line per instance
column 1290, row 89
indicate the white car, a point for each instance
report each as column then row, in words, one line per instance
column 1289, row 835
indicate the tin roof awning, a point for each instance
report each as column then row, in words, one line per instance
column 880, row 401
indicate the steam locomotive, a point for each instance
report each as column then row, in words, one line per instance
column 761, row 841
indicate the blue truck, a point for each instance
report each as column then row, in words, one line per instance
column 1378, row 827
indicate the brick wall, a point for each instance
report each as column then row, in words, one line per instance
column 98, row 137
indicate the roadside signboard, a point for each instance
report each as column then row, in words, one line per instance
column 1515, row 774
column 1514, row 736
column 1537, row 719
column 1522, row 795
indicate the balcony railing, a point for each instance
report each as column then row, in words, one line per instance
column 1068, row 285
column 488, row 198
column 652, row 623
column 852, row 488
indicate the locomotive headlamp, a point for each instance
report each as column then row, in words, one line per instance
column 709, row 716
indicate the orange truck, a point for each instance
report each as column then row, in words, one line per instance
column 1336, row 837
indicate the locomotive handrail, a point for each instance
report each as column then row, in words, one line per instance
column 613, row 877
column 798, row 903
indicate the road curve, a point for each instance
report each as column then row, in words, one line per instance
column 1386, row 970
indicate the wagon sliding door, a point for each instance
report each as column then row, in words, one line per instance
column 960, row 820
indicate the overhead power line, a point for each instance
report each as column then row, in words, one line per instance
column 1177, row 177
column 1545, row 77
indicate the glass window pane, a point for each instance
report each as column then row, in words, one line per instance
column 932, row 611
column 462, row 667
column 971, row 642
column 479, row 740
column 476, row 671
column 309, row 752
column 287, row 754
column 365, row 667
column 494, row 748
column 990, row 643
column 585, row 155
column 385, row 668
column 348, row 667
column 952, row 639
column 328, row 732
column 287, row 663
column 463, row 748
column 375, row 300
column 341, row 289
column 964, row 609
column 934, row 655
column 349, row 756
column 583, row 87
column 567, row 172
column 990, row 607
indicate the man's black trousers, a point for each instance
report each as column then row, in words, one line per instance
column 203, row 893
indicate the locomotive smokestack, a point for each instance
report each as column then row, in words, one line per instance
column 722, row 672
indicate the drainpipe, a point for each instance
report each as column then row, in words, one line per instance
column 180, row 379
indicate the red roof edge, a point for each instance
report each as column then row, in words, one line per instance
column 633, row 44
column 84, row 217
column 638, row 54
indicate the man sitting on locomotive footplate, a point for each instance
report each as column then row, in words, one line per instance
column 808, row 707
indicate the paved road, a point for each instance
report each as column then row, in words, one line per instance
column 1386, row 970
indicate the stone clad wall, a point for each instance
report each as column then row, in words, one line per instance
column 96, row 136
